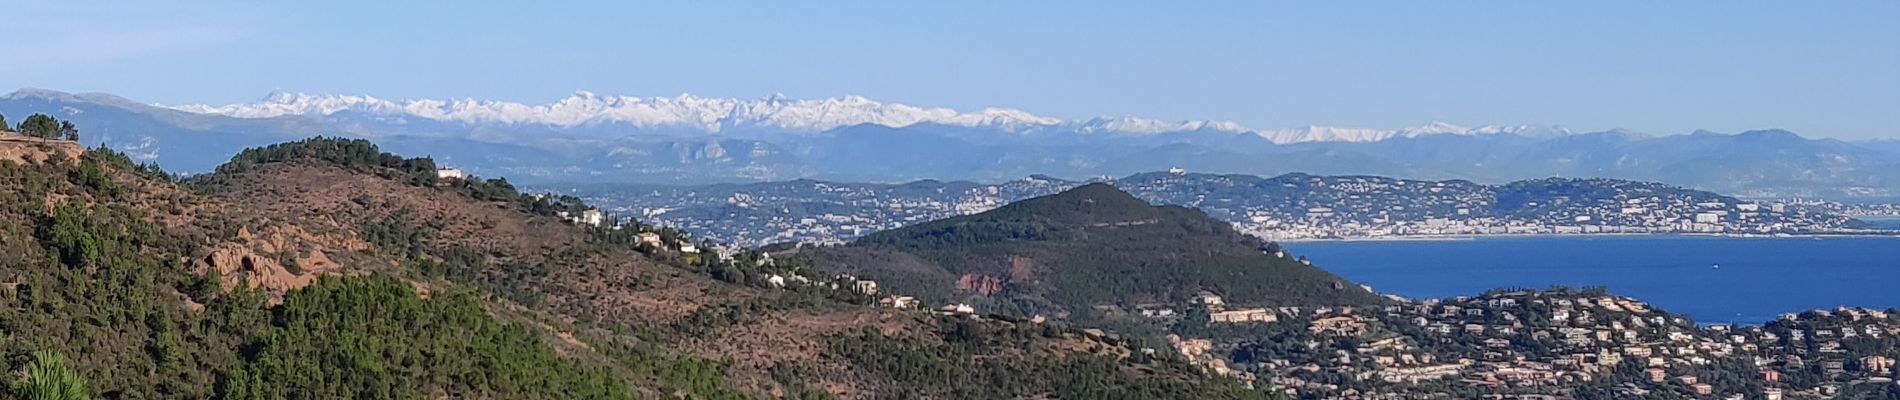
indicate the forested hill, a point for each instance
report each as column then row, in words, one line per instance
column 1088, row 246
column 327, row 268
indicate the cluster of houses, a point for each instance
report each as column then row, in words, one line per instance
column 656, row 241
column 1541, row 342
column 591, row 216
column 1369, row 210
column 1217, row 311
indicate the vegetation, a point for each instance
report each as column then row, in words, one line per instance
column 361, row 155
column 349, row 153
column 965, row 367
column 47, row 378
column 96, row 278
column 1098, row 245
column 92, row 279
column 45, row 127
column 375, row 338
column 105, row 266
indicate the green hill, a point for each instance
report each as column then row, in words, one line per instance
column 1092, row 245
column 326, row 268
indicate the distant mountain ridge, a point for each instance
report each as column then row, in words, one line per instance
column 691, row 140
column 715, row 115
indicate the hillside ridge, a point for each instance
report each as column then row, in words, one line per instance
column 23, row 149
column 151, row 286
column 1068, row 253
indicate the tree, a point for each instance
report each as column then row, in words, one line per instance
column 68, row 131
column 3, row 123
column 47, row 378
column 41, row 126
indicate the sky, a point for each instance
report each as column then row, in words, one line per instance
column 1828, row 69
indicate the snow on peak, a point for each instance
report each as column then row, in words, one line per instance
column 1441, row 128
column 1433, row 128
column 585, row 108
column 1144, row 126
column 1324, row 134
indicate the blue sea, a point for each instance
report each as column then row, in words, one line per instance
column 1757, row 278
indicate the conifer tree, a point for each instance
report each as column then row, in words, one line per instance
column 47, row 378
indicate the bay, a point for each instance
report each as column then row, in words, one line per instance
column 1713, row 279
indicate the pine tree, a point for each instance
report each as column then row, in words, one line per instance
column 68, row 131
column 40, row 126
column 47, row 378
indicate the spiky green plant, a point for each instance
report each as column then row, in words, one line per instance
column 47, row 378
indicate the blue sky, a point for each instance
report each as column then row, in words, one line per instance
column 1819, row 68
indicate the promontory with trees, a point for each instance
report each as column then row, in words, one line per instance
column 44, row 127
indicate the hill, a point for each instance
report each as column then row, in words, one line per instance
column 1089, row 246
column 327, row 268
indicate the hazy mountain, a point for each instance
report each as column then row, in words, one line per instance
column 688, row 140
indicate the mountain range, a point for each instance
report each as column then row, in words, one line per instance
column 588, row 137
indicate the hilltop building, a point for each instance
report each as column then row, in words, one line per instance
column 450, row 173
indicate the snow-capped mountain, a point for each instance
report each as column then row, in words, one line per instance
column 691, row 140
column 587, row 108
column 1144, row 126
column 713, row 115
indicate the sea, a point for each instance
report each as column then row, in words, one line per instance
column 1711, row 278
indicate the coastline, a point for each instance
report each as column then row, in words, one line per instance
column 1757, row 280
column 1663, row 235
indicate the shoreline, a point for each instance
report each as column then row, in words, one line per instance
column 1675, row 272
column 1478, row 236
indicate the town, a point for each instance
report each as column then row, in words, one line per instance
column 1518, row 343
column 1287, row 207
column 1552, row 343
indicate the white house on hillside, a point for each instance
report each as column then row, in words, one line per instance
column 450, row 173
column 592, row 217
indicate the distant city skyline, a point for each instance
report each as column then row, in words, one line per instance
column 1819, row 69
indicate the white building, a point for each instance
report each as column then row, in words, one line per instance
column 591, row 217
column 899, row 302
column 1210, row 300
column 650, row 238
column 1246, row 315
column 450, row 173
column 958, row 309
